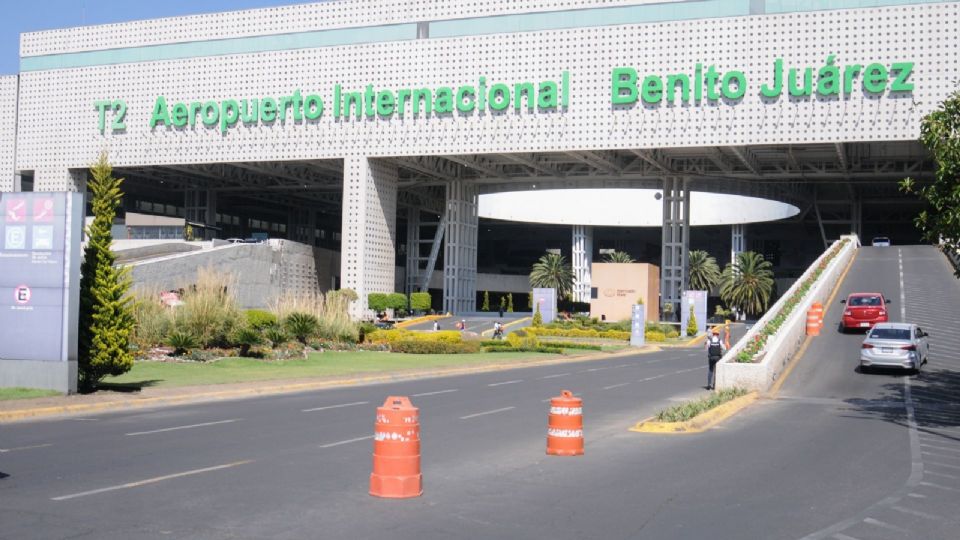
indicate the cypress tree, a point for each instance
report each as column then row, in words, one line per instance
column 106, row 310
column 486, row 301
column 509, row 302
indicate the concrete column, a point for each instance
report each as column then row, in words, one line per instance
column 676, row 241
column 413, row 250
column 582, row 259
column 369, row 229
column 460, row 249
column 738, row 240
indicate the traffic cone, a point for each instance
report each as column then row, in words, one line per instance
column 396, row 450
column 565, row 425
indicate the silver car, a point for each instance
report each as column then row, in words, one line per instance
column 895, row 345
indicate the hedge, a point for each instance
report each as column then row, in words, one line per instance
column 579, row 333
column 541, row 349
column 399, row 334
column 407, row 346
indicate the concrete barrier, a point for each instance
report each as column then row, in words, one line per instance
column 781, row 346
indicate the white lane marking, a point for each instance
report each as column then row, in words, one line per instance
column 348, row 441
column 85, row 419
column 841, row 536
column 662, row 375
column 915, row 512
column 555, row 376
column 19, row 448
column 938, row 486
column 336, row 406
column 938, row 464
column 947, row 448
column 438, row 392
column 515, row 381
column 191, row 426
column 881, row 524
column 623, row 365
column 939, row 455
column 612, row 386
column 916, row 496
column 151, row 480
column 495, row 411
column 903, row 294
column 942, row 475
column 591, row 370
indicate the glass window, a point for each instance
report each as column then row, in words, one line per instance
column 865, row 301
column 890, row 333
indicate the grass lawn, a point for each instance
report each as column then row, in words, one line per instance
column 327, row 364
column 26, row 393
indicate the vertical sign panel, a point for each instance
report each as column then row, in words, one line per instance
column 39, row 289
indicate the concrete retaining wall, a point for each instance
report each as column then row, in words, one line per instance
column 781, row 347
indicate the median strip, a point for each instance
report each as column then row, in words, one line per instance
column 699, row 415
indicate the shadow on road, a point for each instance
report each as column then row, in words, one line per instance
column 935, row 395
column 129, row 387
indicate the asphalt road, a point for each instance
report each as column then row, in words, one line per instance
column 838, row 454
column 478, row 323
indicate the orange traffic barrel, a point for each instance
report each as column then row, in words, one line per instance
column 817, row 308
column 565, row 425
column 813, row 323
column 396, row 450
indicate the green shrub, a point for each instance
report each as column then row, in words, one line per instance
column 486, row 301
column 494, row 343
column 399, row 334
column 655, row 336
column 540, row 349
column 182, row 342
column 672, row 334
column 434, row 347
column 152, row 322
column 246, row 337
column 686, row 411
column 276, row 336
column 509, row 302
column 573, row 345
column 537, row 317
column 691, row 324
column 260, row 319
column 301, row 325
column 209, row 309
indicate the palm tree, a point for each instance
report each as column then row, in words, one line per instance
column 703, row 271
column 552, row 271
column 748, row 283
column 619, row 257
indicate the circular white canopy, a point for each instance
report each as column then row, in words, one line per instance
column 625, row 207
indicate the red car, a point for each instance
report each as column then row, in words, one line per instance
column 864, row 310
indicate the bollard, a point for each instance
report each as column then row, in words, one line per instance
column 813, row 323
column 565, row 425
column 396, row 450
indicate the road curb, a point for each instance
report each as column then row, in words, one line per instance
column 279, row 389
column 699, row 423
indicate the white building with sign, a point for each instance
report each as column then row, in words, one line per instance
column 366, row 114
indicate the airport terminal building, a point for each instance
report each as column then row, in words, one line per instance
column 377, row 127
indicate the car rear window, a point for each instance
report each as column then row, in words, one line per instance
column 890, row 333
column 865, row 301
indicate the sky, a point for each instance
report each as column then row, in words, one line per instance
column 50, row 14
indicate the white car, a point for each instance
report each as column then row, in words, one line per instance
column 880, row 241
column 895, row 345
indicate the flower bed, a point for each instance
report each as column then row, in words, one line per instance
column 753, row 351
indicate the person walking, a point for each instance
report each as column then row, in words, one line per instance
column 715, row 352
column 436, row 326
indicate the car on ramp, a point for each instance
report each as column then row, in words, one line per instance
column 895, row 345
column 863, row 310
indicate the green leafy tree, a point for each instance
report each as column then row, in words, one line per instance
column 420, row 301
column 619, row 257
column 537, row 317
column 397, row 301
column 691, row 324
column 703, row 271
column 748, row 284
column 486, row 301
column 378, row 302
column 940, row 134
column 552, row 271
column 106, row 308
column 509, row 302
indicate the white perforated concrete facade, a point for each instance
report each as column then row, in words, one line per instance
column 8, row 131
column 57, row 111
